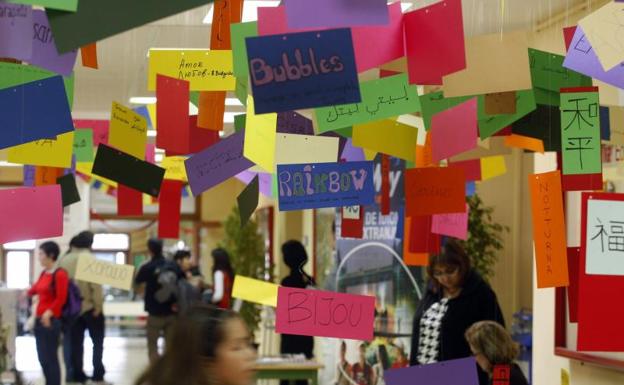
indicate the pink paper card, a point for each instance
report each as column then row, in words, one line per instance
column 452, row 225
column 455, row 130
column 373, row 45
column 434, row 41
column 99, row 126
column 31, row 213
column 325, row 314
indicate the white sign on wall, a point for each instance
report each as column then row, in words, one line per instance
column 605, row 237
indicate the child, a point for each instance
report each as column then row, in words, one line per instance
column 492, row 346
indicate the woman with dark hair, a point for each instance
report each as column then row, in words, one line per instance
column 383, row 364
column 51, row 287
column 456, row 298
column 295, row 257
column 222, row 278
column 209, row 346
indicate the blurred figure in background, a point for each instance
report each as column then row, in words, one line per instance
column 187, row 294
column 222, row 278
column 383, row 364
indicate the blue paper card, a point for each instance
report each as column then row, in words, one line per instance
column 308, row 186
column 302, row 70
column 34, row 111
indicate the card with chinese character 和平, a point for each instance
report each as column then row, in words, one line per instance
column 580, row 131
column 600, row 272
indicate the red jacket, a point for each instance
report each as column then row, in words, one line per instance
column 49, row 298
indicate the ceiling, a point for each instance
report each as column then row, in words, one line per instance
column 122, row 58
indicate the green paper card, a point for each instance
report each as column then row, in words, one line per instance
column 63, row 5
column 346, row 132
column 548, row 72
column 83, row 145
column 239, row 122
column 580, row 133
column 435, row 102
column 239, row 32
column 491, row 124
column 12, row 75
column 545, row 97
column 381, row 98
column 95, row 20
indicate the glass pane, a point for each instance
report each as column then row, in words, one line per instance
column 21, row 245
column 18, row 269
column 111, row 242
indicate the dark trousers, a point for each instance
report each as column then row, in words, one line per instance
column 95, row 326
column 47, row 339
column 67, row 357
column 295, row 344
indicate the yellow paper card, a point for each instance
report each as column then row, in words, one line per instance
column 128, row 131
column 174, row 168
column 492, row 166
column 45, row 152
column 388, row 137
column 254, row 290
column 205, row 70
column 369, row 154
column 151, row 110
column 85, row 169
column 260, row 132
column 295, row 149
column 565, row 377
column 603, row 30
column 90, row 269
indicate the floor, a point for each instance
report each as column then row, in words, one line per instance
column 124, row 359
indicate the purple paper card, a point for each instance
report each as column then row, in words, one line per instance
column 16, row 22
column 452, row 372
column 352, row 153
column 335, row 13
column 582, row 58
column 217, row 163
column 44, row 53
column 291, row 122
column 265, row 180
column 29, row 175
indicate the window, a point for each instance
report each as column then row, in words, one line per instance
column 111, row 241
column 18, row 269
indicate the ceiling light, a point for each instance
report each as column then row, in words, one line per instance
column 159, row 157
column 151, row 133
column 228, row 117
column 142, row 100
column 250, row 10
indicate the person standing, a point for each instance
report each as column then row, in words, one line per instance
column 159, row 295
column 187, row 294
column 51, row 287
column 223, row 278
column 363, row 373
column 343, row 369
column 456, row 298
column 295, row 257
column 91, row 316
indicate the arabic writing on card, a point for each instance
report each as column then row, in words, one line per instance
column 324, row 314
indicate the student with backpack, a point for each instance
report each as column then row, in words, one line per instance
column 51, row 287
column 187, row 294
column 89, row 316
column 160, row 278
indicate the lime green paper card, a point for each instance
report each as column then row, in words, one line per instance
column 63, row 5
column 381, row 98
column 548, row 72
column 491, row 124
column 12, row 75
column 83, row 145
column 580, row 133
column 239, row 32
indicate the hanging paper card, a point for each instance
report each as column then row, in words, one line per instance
column 494, row 63
column 547, row 72
column 335, row 13
column 381, row 98
column 265, row 180
column 434, row 42
column 217, row 163
column 225, row 12
column 172, row 114
column 254, row 290
column 324, row 314
column 549, row 231
column 454, row 131
column 574, row 255
column 543, row 123
column 123, row 168
column 500, row 103
column 293, row 123
column 600, row 323
column 200, row 138
column 33, row 111
column 99, row 127
column 302, row 70
column 88, row 54
column 128, row 131
column 211, row 110
column 45, row 152
column 16, row 22
column 169, row 204
column 90, row 269
column 83, row 145
column 293, row 149
column 524, row 142
column 44, row 53
column 410, row 258
column 30, row 213
column 174, row 166
column 28, row 175
column 489, row 125
column 12, row 74
column 452, row 225
column 248, row 200
column 580, row 131
column 352, row 222
column 492, row 166
column 472, row 168
column 305, row 186
column 96, row 19
column 69, row 190
column 582, row 58
column 602, row 28
column 64, row 5
column 434, row 190
column 388, row 137
column 129, row 201
column 435, row 102
column 450, row 372
column 45, row 176
column 205, row 70
column 422, row 239
column 260, row 132
column 241, row 31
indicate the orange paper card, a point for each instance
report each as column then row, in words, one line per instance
column 549, row 231
column 211, row 110
column 435, row 190
column 525, row 142
column 89, row 55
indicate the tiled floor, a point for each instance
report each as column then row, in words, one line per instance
column 124, row 359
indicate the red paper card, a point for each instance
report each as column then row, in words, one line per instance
column 170, row 202
column 200, row 138
column 454, row 131
column 579, row 182
column 89, row 55
column 129, row 201
column 172, row 114
column 352, row 225
column 211, row 110
column 385, row 184
column 574, row 255
column 435, row 190
column 422, row 240
column 434, row 41
column 600, row 319
column 568, row 35
column 412, row 259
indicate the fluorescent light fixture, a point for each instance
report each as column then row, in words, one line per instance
column 250, row 10
column 4, row 163
column 232, row 102
column 228, row 117
column 142, row 100
column 405, row 6
column 151, row 133
column 159, row 157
